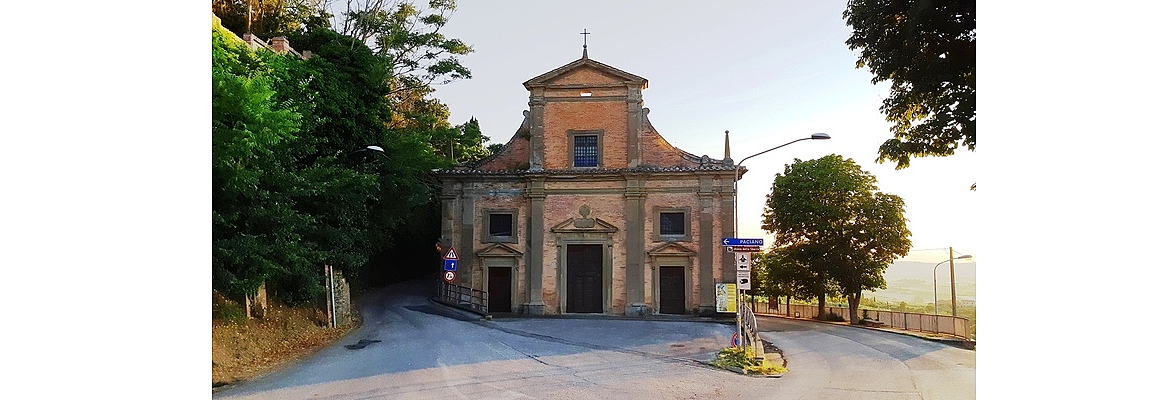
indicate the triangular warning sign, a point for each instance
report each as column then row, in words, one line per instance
column 451, row 255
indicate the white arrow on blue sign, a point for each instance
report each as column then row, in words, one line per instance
column 742, row 242
column 450, row 265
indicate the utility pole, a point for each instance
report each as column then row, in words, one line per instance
column 954, row 307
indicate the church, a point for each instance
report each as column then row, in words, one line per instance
column 588, row 209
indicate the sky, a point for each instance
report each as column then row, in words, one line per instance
column 103, row 166
column 769, row 72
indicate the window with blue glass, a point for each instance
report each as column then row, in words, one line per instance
column 672, row 224
column 585, row 151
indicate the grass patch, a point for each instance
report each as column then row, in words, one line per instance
column 227, row 310
column 243, row 349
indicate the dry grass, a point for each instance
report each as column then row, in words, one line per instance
column 240, row 352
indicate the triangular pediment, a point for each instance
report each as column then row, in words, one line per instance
column 584, row 225
column 567, row 72
column 671, row 249
column 498, row 250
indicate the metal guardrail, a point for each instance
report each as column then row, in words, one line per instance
column 462, row 297
column 941, row 324
column 750, row 329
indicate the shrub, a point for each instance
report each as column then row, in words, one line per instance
column 834, row 317
column 734, row 357
column 227, row 310
column 737, row 358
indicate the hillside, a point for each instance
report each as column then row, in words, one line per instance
column 910, row 282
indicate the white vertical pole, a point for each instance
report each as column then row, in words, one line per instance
column 954, row 303
column 739, row 315
column 332, row 300
column 328, row 299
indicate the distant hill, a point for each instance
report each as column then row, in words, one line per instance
column 910, row 281
column 964, row 271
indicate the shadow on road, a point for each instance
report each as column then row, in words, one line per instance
column 403, row 330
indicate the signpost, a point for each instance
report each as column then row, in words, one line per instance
column 744, row 279
column 742, row 242
column 743, row 249
column 743, row 261
column 743, row 270
column 450, row 265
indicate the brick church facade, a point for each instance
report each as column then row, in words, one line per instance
column 588, row 209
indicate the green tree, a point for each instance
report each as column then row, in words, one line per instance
column 827, row 214
column 271, row 18
column 792, row 278
column 926, row 49
column 288, row 196
column 253, row 223
column 347, row 88
column 356, row 104
column 291, row 194
column 460, row 144
column 408, row 37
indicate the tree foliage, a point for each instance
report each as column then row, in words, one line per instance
column 785, row 276
column 253, row 224
column 291, row 189
column 833, row 229
column 409, row 37
column 271, row 18
column 926, row 49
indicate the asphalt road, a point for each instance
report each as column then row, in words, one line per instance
column 415, row 349
column 845, row 362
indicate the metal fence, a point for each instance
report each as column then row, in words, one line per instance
column 462, row 297
column 940, row 324
column 750, row 329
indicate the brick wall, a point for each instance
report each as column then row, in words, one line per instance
column 607, row 116
column 611, row 109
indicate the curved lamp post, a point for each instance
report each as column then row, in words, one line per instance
column 735, row 214
column 368, row 150
column 951, row 260
column 815, row 136
column 332, row 297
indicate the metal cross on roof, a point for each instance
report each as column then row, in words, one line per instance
column 585, row 46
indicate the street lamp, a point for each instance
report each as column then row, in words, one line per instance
column 332, row 296
column 367, row 151
column 735, row 214
column 951, row 260
column 815, row 136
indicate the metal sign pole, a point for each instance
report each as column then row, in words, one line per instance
column 739, row 316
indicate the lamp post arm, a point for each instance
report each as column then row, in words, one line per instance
column 936, row 291
column 740, row 164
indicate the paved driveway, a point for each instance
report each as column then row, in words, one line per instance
column 415, row 349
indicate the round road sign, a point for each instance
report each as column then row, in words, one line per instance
column 449, row 276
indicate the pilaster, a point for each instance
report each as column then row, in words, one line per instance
column 635, row 215
column 706, row 247
column 534, row 247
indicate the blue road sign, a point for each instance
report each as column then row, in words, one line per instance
column 450, row 265
column 742, row 242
